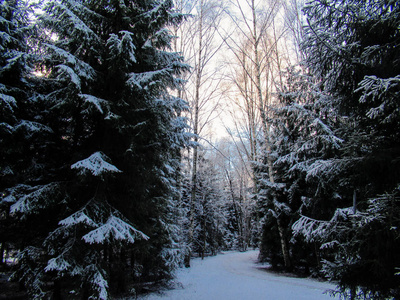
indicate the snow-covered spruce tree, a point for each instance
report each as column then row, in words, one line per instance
column 303, row 139
column 209, row 221
column 23, row 136
column 352, row 47
column 112, row 157
column 210, row 215
column 358, row 246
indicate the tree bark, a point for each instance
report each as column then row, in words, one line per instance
column 198, row 73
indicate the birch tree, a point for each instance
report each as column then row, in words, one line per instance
column 260, row 61
column 197, row 40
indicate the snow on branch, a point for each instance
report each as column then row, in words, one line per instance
column 96, row 164
column 98, row 282
column 115, row 228
column 124, row 45
column 31, row 127
column 78, row 217
column 323, row 168
column 318, row 123
column 70, row 73
column 310, row 228
column 11, row 195
column 98, row 103
column 147, row 79
column 8, row 101
column 36, row 199
column 274, row 186
column 386, row 90
column 161, row 37
column 281, row 207
column 17, row 58
column 58, row 264
column 77, row 27
column 372, row 86
column 313, row 229
column 101, row 285
column 6, row 127
column 5, row 170
column 81, row 68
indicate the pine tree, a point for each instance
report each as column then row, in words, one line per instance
column 112, row 153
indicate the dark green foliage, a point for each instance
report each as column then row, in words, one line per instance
column 23, row 133
column 304, row 146
column 351, row 47
column 210, row 225
column 110, row 137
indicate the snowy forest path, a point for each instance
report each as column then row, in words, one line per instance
column 237, row 276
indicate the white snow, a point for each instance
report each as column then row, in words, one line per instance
column 72, row 75
column 32, row 127
column 115, row 228
column 78, row 217
column 101, row 284
column 58, row 263
column 96, row 102
column 8, row 101
column 35, row 200
column 96, row 164
column 124, row 45
column 237, row 276
column 80, row 67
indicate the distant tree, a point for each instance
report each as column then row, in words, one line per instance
column 238, row 188
column 259, row 61
column 209, row 219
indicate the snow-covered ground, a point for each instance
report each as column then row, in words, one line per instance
column 237, row 276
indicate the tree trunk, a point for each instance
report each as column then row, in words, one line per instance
column 203, row 250
column 195, row 132
column 285, row 250
column 2, row 250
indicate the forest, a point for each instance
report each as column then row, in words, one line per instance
column 138, row 134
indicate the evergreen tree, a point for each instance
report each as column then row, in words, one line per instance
column 356, row 66
column 359, row 249
column 22, row 131
column 352, row 47
column 303, row 141
column 112, row 153
column 209, row 235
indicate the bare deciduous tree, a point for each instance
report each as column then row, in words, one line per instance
column 256, row 73
column 199, row 43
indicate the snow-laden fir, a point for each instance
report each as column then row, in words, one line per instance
column 96, row 164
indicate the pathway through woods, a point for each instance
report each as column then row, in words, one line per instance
column 237, row 276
